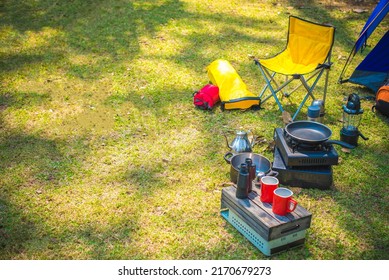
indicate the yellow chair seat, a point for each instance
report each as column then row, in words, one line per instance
column 283, row 64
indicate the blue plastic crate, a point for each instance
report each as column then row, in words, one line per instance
column 266, row 247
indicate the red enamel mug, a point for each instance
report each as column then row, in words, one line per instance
column 268, row 185
column 283, row 203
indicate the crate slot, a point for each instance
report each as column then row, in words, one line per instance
column 290, row 229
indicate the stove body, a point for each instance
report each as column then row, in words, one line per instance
column 303, row 166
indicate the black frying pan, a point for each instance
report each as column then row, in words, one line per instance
column 311, row 133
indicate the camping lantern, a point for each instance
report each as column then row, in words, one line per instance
column 352, row 115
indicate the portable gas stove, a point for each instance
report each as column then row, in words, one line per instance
column 295, row 154
column 303, row 166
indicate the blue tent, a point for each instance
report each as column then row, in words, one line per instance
column 373, row 71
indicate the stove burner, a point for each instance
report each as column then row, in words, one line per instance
column 298, row 146
column 306, row 147
column 297, row 154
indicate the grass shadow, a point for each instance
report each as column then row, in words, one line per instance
column 151, row 182
column 32, row 171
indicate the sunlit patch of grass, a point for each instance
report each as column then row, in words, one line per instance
column 103, row 155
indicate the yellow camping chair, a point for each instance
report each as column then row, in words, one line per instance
column 307, row 55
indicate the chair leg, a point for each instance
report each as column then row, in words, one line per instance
column 269, row 86
column 307, row 80
column 279, row 88
column 325, row 86
column 300, row 106
column 327, row 68
column 309, row 92
column 265, row 87
column 307, row 87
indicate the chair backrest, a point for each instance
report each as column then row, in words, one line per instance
column 308, row 42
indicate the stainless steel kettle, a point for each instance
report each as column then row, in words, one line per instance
column 241, row 142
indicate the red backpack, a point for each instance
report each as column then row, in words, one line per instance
column 207, row 97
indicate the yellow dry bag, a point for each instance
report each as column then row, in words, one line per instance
column 232, row 90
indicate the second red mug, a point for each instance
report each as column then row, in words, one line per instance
column 283, row 203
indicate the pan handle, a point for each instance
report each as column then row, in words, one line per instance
column 340, row 143
column 363, row 136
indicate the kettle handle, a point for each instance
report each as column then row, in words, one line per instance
column 228, row 145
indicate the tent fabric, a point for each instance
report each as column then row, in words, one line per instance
column 373, row 71
column 373, row 21
column 308, row 46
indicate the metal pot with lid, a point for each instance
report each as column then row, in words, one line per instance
column 263, row 165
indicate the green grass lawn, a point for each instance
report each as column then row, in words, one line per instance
column 103, row 155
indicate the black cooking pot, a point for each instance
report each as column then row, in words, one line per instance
column 311, row 134
column 263, row 165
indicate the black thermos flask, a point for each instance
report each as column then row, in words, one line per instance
column 242, row 185
column 251, row 167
